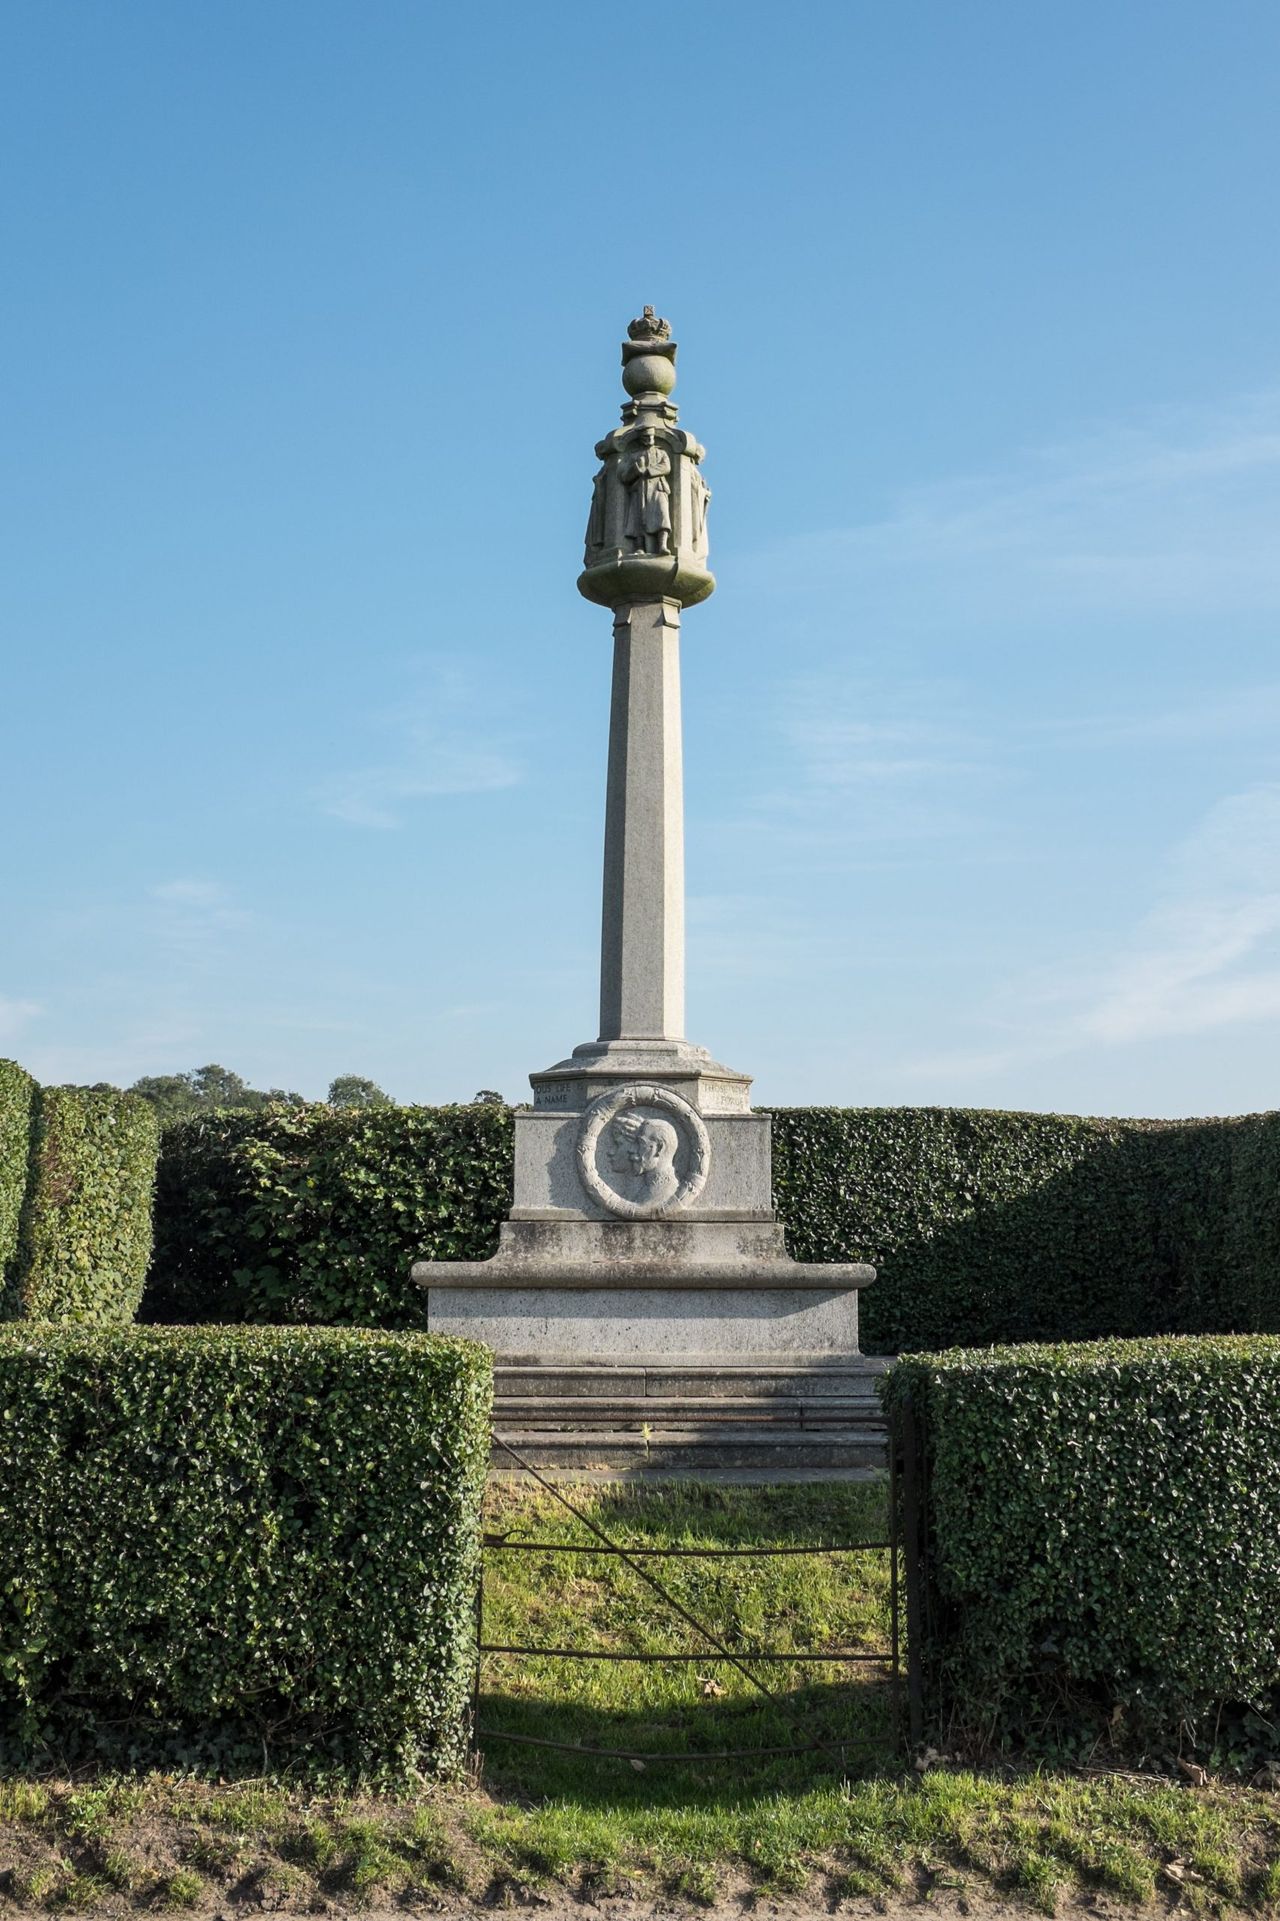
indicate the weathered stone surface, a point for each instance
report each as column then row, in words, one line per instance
column 561, row 1325
column 626, row 1245
column 707, row 1083
column 548, row 1183
column 850, row 1378
column 642, row 936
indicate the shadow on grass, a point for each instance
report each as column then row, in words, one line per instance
column 855, row 1723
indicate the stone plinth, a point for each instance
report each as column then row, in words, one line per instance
column 704, row 1281
column 645, row 1325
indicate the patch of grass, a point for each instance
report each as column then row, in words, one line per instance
column 93, row 1813
column 281, row 1885
column 357, row 1854
column 34, row 1887
column 181, row 1889
column 431, row 1853
column 24, row 1803
column 212, row 1853
column 1039, row 1877
column 695, row 1881
column 852, row 1884
column 1265, row 1889
column 77, row 1893
column 251, row 1811
column 121, row 1870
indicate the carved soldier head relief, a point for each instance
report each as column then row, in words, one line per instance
column 643, row 1152
column 644, row 1149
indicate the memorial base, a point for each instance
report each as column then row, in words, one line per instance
column 734, row 1326
column 601, row 1293
column 654, row 1350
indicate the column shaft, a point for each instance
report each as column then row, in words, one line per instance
column 642, row 942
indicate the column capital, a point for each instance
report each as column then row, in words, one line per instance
column 647, row 529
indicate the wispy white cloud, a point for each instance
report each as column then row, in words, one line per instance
column 1175, row 516
column 742, row 937
column 851, row 731
column 1205, row 956
column 15, row 1016
column 1208, row 955
column 869, row 770
column 1238, row 713
column 188, row 913
column 442, row 742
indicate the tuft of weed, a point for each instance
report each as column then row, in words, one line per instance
column 364, row 1860
column 77, row 1893
column 695, row 1881
column 1039, row 1878
column 852, row 1884
column 25, row 1802
column 211, row 1853
column 431, row 1857
column 121, row 1870
column 251, row 1811
column 94, row 1813
column 181, row 1889
column 279, row 1885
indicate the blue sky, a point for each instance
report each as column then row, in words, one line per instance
column 311, row 319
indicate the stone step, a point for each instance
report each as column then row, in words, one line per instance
column 722, row 1447
column 856, row 1377
column 656, row 1411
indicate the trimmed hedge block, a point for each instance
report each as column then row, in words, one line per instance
column 86, row 1230
column 993, row 1227
column 316, row 1213
column 17, row 1094
column 239, row 1547
column 1102, row 1547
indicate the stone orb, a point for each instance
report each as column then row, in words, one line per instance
column 649, row 374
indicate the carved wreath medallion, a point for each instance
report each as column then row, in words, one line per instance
column 643, row 1151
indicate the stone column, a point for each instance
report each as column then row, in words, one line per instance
column 642, row 1228
column 642, row 937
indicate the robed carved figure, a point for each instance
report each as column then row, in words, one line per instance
column 646, row 474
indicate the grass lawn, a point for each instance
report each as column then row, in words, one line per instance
column 854, row 1824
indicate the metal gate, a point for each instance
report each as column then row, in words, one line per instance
column 901, row 1538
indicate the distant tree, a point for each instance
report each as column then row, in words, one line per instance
column 353, row 1090
column 487, row 1098
column 202, row 1089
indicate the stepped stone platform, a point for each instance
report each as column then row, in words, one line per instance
column 651, row 1420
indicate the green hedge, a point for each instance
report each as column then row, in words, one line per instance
column 984, row 1226
column 17, row 1093
column 86, row 1225
column 316, row 1214
column 1102, row 1546
column 989, row 1227
column 234, row 1547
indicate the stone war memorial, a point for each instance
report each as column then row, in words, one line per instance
column 642, row 1268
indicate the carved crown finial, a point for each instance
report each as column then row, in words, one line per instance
column 649, row 327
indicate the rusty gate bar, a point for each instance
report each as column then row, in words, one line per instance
column 741, row 1654
column 501, row 1541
